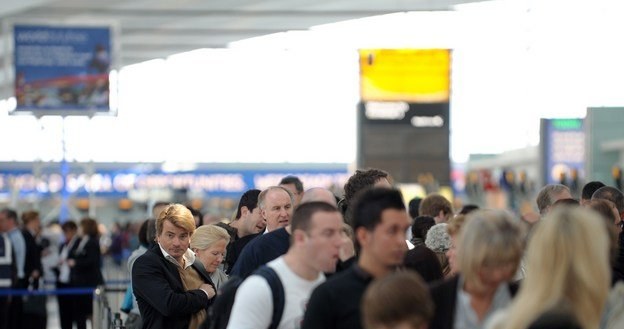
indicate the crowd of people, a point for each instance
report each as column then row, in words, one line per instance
column 306, row 258
column 77, row 267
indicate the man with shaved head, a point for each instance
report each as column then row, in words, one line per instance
column 319, row 194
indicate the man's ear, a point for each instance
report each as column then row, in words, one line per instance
column 244, row 211
column 298, row 236
column 362, row 235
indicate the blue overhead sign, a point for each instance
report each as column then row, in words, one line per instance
column 119, row 183
column 62, row 68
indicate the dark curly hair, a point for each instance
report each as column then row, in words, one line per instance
column 361, row 180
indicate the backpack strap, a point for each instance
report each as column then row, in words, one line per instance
column 277, row 289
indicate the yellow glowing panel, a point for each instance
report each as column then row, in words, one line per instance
column 411, row 75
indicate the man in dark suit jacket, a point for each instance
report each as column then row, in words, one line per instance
column 32, row 266
column 33, row 270
column 172, row 288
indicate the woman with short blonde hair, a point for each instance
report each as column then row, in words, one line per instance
column 488, row 250
column 491, row 240
column 209, row 242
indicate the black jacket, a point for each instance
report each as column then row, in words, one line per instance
column 88, row 257
column 335, row 303
column 33, row 255
column 163, row 302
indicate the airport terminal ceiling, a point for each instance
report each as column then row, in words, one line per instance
column 156, row 29
column 513, row 73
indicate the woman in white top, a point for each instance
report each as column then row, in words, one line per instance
column 209, row 243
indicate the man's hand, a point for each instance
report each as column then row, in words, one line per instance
column 208, row 289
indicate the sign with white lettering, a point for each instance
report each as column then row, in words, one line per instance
column 411, row 114
column 115, row 183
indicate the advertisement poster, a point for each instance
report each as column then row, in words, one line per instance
column 62, row 68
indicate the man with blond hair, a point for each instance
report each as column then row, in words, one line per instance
column 171, row 286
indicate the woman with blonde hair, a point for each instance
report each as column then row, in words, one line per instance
column 453, row 227
column 488, row 251
column 209, row 243
column 567, row 271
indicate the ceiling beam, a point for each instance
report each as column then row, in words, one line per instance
column 173, row 47
column 104, row 11
column 176, row 31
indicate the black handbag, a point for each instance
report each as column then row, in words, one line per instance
column 34, row 304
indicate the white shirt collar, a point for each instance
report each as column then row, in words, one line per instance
column 189, row 257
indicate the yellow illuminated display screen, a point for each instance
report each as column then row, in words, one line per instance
column 411, row 75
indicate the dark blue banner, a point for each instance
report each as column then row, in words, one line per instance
column 119, row 183
column 62, row 68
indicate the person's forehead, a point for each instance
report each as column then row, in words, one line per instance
column 219, row 244
column 382, row 182
column 290, row 186
column 323, row 219
column 394, row 216
column 563, row 194
column 277, row 196
column 169, row 227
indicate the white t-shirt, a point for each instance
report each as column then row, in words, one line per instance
column 253, row 305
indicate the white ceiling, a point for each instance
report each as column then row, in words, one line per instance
column 150, row 29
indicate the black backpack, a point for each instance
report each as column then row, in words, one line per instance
column 219, row 313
